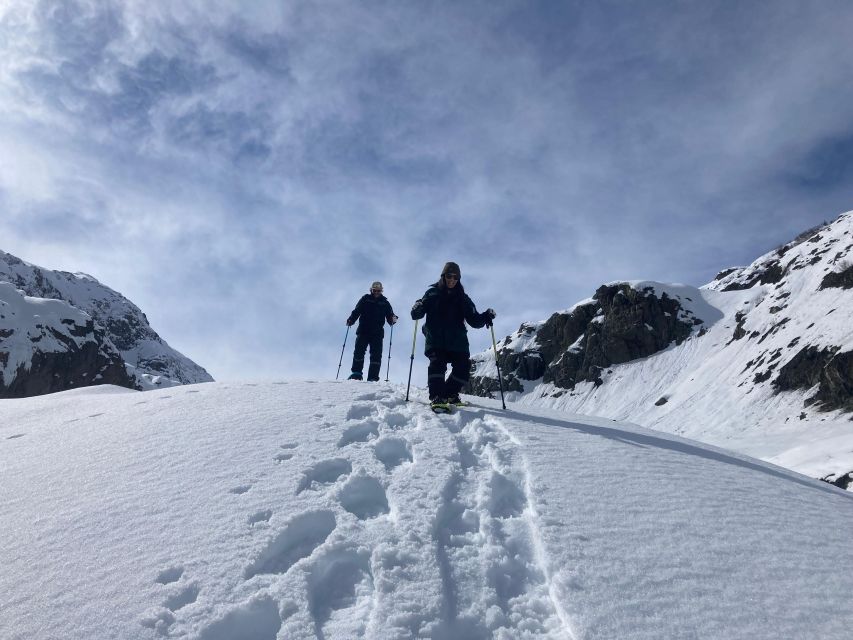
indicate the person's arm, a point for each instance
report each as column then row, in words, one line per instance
column 355, row 312
column 475, row 319
column 390, row 317
column 419, row 310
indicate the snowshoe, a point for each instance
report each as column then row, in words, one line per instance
column 440, row 405
column 456, row 401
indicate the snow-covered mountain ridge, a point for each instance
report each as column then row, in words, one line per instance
column 760, row 360
column 120, row 330
column 298, row 510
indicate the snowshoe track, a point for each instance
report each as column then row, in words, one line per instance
column 415, row 524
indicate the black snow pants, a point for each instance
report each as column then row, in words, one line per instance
column 460, row 371
column 361, row 344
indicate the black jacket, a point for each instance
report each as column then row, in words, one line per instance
column 447, row 311
column 371, row 314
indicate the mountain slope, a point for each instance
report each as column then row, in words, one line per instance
column 759, row 361
column 152, row 362
column 337, row 510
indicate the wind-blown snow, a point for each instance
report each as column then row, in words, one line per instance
column 337, row 510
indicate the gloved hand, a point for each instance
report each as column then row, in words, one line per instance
column 393, row 320
column 491, row 315
column 350, row 322
column 417, row 309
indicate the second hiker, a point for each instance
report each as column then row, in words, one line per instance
column 371, row 311
column 447, row 308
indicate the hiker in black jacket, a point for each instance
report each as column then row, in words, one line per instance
column 371, row 311
column 447, row 308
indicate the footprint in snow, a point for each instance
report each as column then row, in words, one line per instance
column 396, row 420
column 507, row 499
column 364, row 497
column 360, row 410
column 340, row 580
column 392, row 452
column 300, row 537
column 256, row 619
column 170, row 575
column 283, row 457
column 243, row 488
column 323, row 473
column 182, row 598
column 260, row 516
column 358, row 433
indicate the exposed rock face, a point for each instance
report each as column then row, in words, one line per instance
column 48, row 346
column 152, row 362
column 830, row 370
column 842, row 279
column 620, row 324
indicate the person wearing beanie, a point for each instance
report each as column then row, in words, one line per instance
column 447, row 308
column 372, row 311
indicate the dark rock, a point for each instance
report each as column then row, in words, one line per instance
column 842, row 482
column 838, row 279
column 622, row 324
column 770, row 273
column 830, row 370
column 662, row 401
column 50, row 372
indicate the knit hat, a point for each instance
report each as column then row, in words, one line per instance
column 451, row 267
column 376, row 285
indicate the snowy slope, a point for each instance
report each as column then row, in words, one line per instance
column 150, row 359
column 769, row 371
column 337, row 510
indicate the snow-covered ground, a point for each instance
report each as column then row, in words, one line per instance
column 338, row 510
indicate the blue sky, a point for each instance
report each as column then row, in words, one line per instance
column 243, row 170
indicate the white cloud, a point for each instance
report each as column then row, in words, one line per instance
column 247, row 169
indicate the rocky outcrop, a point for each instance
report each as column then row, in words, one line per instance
column 48, row 346
column 621, row 323
column 151, row 360
column 828, row 369
column 842, row 279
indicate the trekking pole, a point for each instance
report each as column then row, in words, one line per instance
column 500, row 379
column 390, row 342
column 412, row 362
column 342, row 353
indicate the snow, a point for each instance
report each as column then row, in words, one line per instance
column 710, row 380
column 300, row 509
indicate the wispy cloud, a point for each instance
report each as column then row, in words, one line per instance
column 243, row 171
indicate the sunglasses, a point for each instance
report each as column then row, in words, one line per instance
column 376, row 291
column 451, row 276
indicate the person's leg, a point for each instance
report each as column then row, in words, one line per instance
column 375, row 358
column 435, row 373
column 358, row 357
column 460, row 371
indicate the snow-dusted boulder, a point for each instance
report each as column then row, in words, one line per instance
column 48, row 346
column 150, row 360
